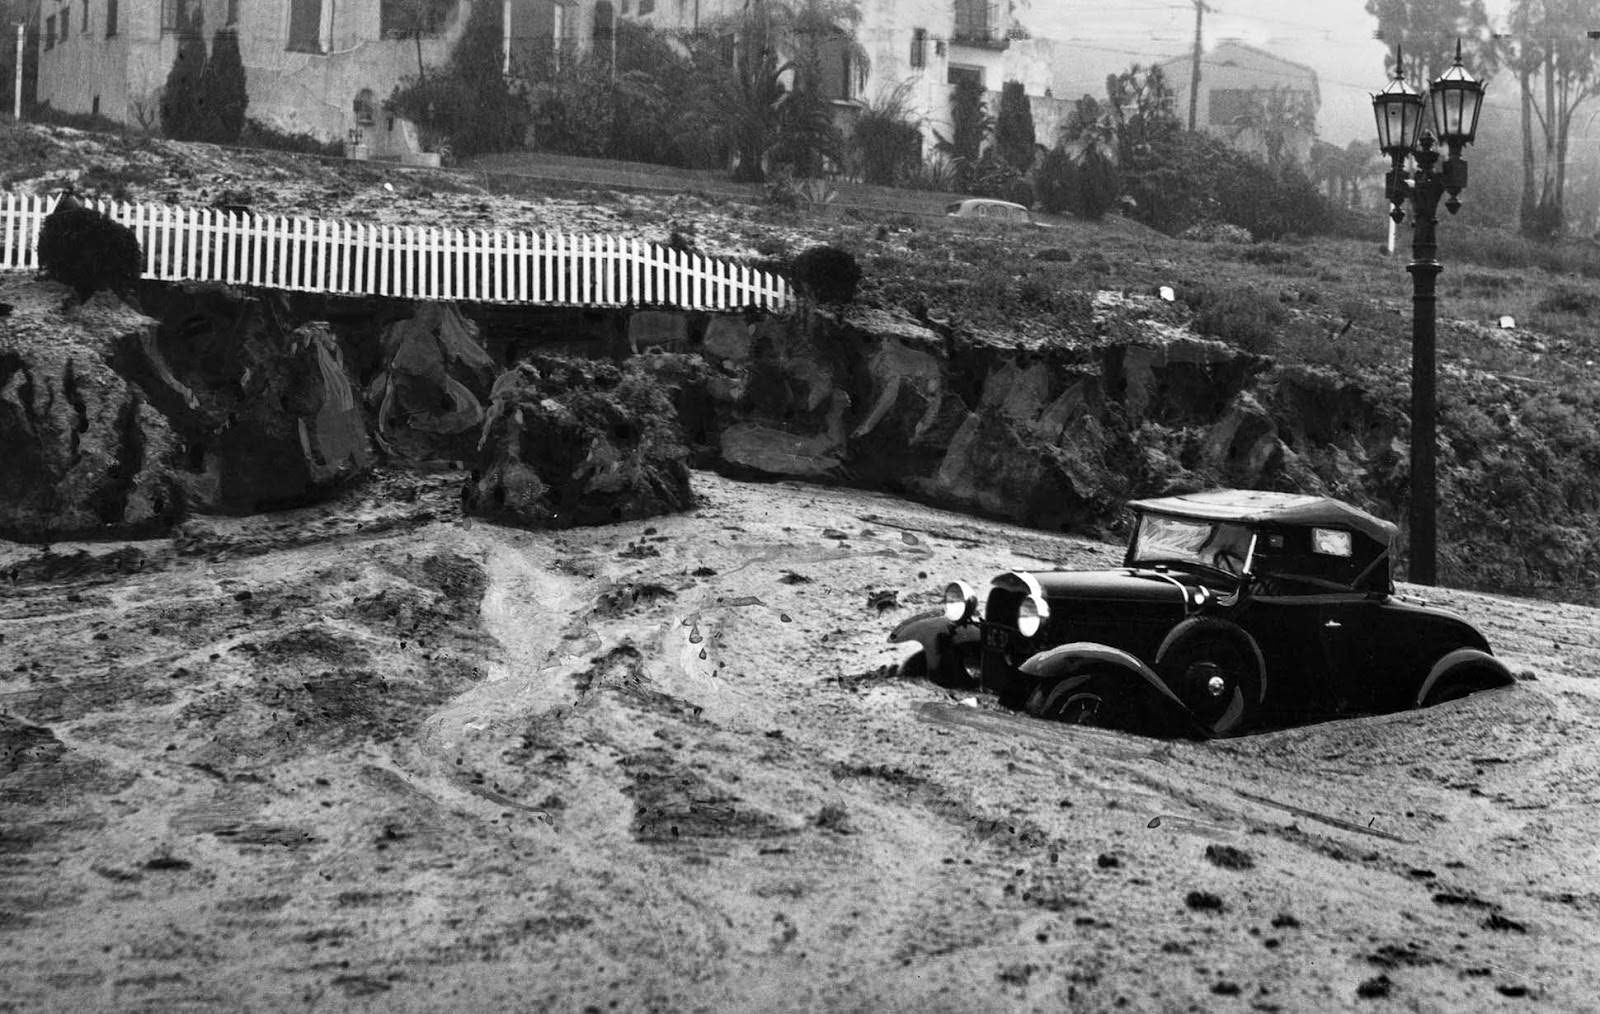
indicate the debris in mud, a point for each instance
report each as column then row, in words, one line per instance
column 52, row 566
column 1375, row 988
column 624, row 598
column 791, row 577
column 1203, row 901
column 1107, row 861
column 703, row 572
column 1502, row 924
column 833, row 817
column 672, row 802
column 1016, row 974
column 1284, row 920
column 1459, row 898
column 1229, row 858
column 883, row 600
column 1223, row 987
column 1392, row 956
column 167, row 862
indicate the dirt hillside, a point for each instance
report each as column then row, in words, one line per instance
column 373, row 755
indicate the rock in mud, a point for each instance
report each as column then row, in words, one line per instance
column 433, row 379
column 266, row 409
column 85, row 453
column 573, row 442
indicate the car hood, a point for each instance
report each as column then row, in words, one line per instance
column 1121, row 585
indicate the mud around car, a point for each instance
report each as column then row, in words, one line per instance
column 1234, row 610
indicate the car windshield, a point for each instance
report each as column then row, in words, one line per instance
column 1180, row 542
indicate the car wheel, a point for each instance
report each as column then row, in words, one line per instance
column 1216, row 676
column 1089, row 699
column 915, row 667
column 952, row 672
column 1453, row 687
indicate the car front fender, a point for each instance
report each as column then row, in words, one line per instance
column 1465, row 658
column 934, row 631
column 1070, row 659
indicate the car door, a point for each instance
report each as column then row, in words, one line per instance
column 1346, row 629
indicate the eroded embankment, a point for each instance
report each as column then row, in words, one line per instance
column 227, row 401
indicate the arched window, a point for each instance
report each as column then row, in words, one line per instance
column 605, row 25
column 366, row 109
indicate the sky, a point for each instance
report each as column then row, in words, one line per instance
column 1333, row 37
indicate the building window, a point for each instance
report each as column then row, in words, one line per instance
column 305, row 26
column 233, row 13
column 172, row 16
column 398, row 19
column 365, row 108
column 85, row 27
column 956, row 74
column 972, row 20
column 647, row 7
column 111, row 18
column 50, row 32
column 66, row 23
column 919, row 47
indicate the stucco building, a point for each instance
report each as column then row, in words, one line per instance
column 924, row 45
column 1250, row 98
column 317, row 67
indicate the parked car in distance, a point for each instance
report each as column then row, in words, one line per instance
column 1234, row 610
column 989, row 209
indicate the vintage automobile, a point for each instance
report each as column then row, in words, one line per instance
column 1234, row 610
column 990, row 209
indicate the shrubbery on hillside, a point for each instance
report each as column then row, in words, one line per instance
column 469, row 102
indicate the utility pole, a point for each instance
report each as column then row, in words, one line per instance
column 1200, row 9
column 16, row 96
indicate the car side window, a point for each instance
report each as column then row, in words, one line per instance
column 1310, row 561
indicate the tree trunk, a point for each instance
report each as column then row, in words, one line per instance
column 1529, row 204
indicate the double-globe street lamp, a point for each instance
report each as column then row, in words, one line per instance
column 1452, row 106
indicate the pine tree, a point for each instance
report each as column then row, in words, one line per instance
column 1013, row 127
column 222, row 98
column 181, row 112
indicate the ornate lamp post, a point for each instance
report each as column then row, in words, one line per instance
column 1452, row 104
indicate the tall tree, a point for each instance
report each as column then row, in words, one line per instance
column 415, row 20
column 1276, row 117
column 1557, row 68
column 1141, row 108
column 771, row 93
column 1013, row 127
column 181, row 114
column 1427, row 31
column 222, row 98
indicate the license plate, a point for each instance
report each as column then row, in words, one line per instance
column 996, row 637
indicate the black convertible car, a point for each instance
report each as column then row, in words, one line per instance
column 1233, row 610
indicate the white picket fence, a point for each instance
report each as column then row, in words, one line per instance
column 407, row 262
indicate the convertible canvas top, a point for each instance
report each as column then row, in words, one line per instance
column 1258, row 506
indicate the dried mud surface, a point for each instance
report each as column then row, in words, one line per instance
column 372, row 755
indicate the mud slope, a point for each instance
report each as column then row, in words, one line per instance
column 375, row 756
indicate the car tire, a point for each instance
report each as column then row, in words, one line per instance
column 1198, row 659
column 915, row 667
column 1455, row 686
column 1092, row 698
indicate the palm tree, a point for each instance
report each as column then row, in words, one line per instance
column 772, row 93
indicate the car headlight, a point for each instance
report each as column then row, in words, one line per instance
column 960, row 601
column 1031, row 615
